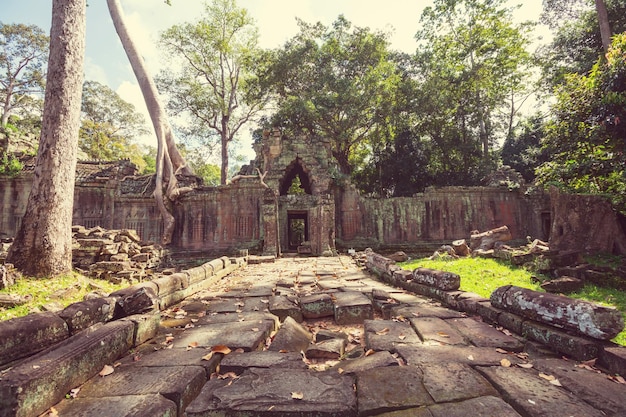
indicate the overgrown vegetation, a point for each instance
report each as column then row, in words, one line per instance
column 482, row 276
column 62, row 291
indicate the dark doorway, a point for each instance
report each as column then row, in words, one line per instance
column 297, row 229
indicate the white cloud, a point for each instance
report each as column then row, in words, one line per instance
column 131, row 93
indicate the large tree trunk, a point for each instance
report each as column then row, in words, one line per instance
column 169, row 160
column 605, row 27
column 43, row 245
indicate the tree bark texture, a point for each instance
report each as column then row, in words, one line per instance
column 43, row 245
column 169, row 161
column 605, row 27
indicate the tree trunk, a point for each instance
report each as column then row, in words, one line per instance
column 43, row 245
column 169, row 160
column 605, row 27
column 225, row 133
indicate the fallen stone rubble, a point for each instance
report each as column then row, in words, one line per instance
column 312, row 337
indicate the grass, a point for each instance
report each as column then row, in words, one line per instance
column 63, row 290
column 482, row 276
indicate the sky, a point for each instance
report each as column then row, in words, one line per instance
column 106, row 62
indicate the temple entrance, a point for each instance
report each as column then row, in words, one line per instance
column 297, row 229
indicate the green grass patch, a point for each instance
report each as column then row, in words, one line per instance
column 64, row 290
column 482, row 276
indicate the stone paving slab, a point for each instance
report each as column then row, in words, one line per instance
column 283, row 307
column 352, row 308
column 592, row 387
column 390, row 388
column 484, row 335
column 175, row 357
column 452, row 381
column 375, row 360
column 239, row 362
column 178, row 384
column 425, row 309
column 280, row 392
column 470, row 355
column 152, row 405
column 317, row 305
column 476, row 407
column 246, row 335
column 435, row 330
column 388, row 334
column 535, row 396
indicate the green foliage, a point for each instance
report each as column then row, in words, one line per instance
column 10, row 165
column 65, row 290
column 214, row 88
column 586, row 138
column 23, row 59
column 336, row 83
column 522, row 151
column 109, row 126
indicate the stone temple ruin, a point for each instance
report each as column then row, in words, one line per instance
column 265, row 216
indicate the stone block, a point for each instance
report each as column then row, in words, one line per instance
column 453, row 381
column 81, row 315
column 581, row 316
column 216, row 264
column 488, row 312
column 563, row 285
column 387, row 389
column 239, row 362
column 136, row 299
column 468, row 302
column 283, row 307
column 433, row 329
column 266, row 392
column 378, row 264
column 246, row 335
column 151, row 405
column 179, row 384
column 352, row 307
column 291, row 337
column 483, row 335
column 534, row 396
column 425, row 310
column 24, row 336
column 446, row 281
column 511, row 321
column 197, row 274
column 36, row 384
column 146, row 326
column 317, row 305
column 579, row 348
column 470, row 355
column 613, row 359
column 326, row 349
column 388, row 334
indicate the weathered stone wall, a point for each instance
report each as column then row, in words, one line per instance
column 439, row 215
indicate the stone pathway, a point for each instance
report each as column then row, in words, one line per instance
column 321, row 337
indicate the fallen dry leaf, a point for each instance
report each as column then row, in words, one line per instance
column 499, row 350
column 340, row 370
column 442, row 334
column 52, row 412
column 532, row 402
column 370, row 352
column 193, row 345
column 402, row 337
column 74, row 392
column 255, row 329
column 546, row 377
column 505, row 363
column 383, row 331
column 556, row 382
column 470, row 357
column 297, row 395
column 208, row 356
column 525, row 365
column 107, row 370
column 221, row 349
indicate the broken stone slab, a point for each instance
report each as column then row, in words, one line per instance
column 388, row 334
column 586, row 384
column 379, row 264
column 146, row 326
column 179, row 384
column 563, row 285
column 268, row 392
column 83, row 314
column 535, row 396
column 168, row 284
column 446, row 281
column 152, row 405
column 36, row 384
column 327, row 349
column 283, row 307
column 137, row 299
column 470, row 355
column 374, row 360
column 579, row 348
column 239, row 362
column 584, row 317
column 488, row 406
column 387, row 389
column 291, row 337
column 324, row 334
column 14, row 300
column 433, row 329
column 483, row 335
column 453, row 381
column 246, row 335
column 486, row 240
column 24, row 336
column 352, row 307
column 316, row 306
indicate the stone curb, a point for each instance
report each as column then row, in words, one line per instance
column 579, row 347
